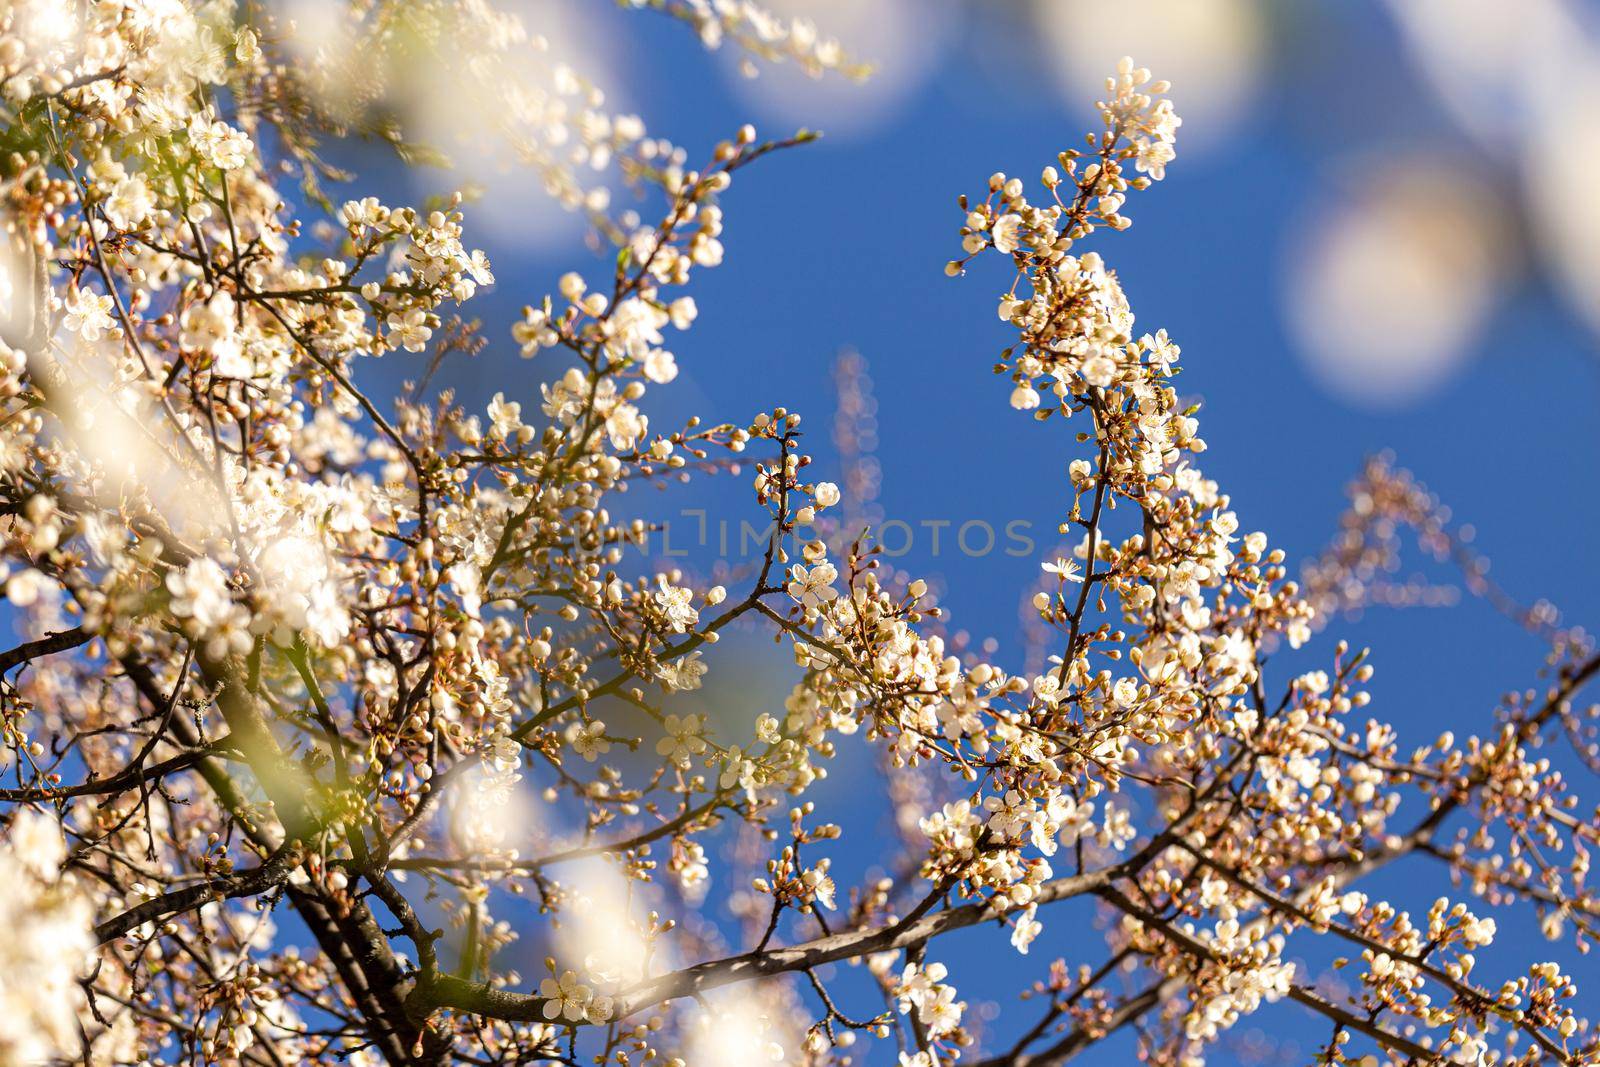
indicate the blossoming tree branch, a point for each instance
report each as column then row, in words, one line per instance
column 293, row 649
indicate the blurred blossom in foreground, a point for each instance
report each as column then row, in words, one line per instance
column 876, row 31
column 1565, row 210
column 1214, row 49
column 740, row 1030
column 112, row 432
column 13, row 293
column 491, row 813
column 1522, row 80
column 1492, row 64
column 483, row 92
column 1390, row 285
column 46, row 938
column 601, row 931
column 464, row 114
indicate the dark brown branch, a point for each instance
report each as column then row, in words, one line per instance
column 450, row 992
column 1128, row 1012
column 272, row 873
column 47, row 645
column 1199, row 950
column 128, row 778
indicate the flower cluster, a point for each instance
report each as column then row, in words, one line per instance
column 761, row 33
column 923, row 991
column 46, row 918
